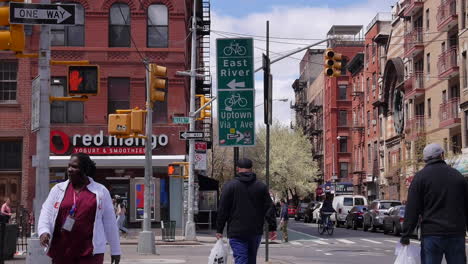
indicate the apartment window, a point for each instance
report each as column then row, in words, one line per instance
column 427, row 19
column 466, row 129
column 62, row 35
column 367, row 88
column 62, row 111
column 367, row 53
column 342, row 92
column 374, row 83
column 118, row 94
column 157, row 26
column 343, row 144
column 119, row 25
column 444, row 96
column 369, row 153
column 342, row 118
column 373, row 51
column 464, row 71
column 428, row 64
column 8, row 74
column 11, row 153
column 375, row 116
column 343, row 169
column 429, row 110
column 368, row 119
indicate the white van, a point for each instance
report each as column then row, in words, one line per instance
column 343, row 203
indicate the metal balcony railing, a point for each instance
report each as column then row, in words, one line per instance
column 412, row 7
column 415, row 127
column 413, row 40
column 449, row 110
column 447, row 62
column 446, row 15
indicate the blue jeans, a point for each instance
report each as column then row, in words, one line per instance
column 433, row 248
column 245, row 250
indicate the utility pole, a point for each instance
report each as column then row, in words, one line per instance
column 268, row 107
column 36, row 252
column 146, row 237
column 190, row 233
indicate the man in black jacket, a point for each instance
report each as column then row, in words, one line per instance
column 438, row 198
column 245, row 204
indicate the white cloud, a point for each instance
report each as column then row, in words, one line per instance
column 310, row 23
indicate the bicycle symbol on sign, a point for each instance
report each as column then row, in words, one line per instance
column 235, row 49
column 234, row 100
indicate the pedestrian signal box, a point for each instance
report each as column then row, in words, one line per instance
column 83, row 80
column 175, row 170
column 119, row 124
column 11, row 35
column 137, row 121
column 127, row 122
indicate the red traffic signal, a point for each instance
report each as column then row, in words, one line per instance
column 83, row 79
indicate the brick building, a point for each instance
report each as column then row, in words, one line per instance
column 116, row 35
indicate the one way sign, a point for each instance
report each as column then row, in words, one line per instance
column 45, row 14
column 186, row 135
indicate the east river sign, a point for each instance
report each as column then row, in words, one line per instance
column 236, row 92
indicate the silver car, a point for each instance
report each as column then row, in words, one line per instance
column 373, row 218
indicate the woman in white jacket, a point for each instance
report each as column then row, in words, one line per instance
column 78, row 218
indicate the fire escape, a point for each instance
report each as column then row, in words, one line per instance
column 203, row 85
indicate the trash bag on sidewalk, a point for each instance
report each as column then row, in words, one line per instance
column 219, row 253
column 406, row 254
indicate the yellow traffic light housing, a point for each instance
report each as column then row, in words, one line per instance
column 158, row 83
column 137, row 121
column 178, row 170
column 11, row 38
column 333, row 63
column 119, row 124
column 127, row 123
column 206, row 111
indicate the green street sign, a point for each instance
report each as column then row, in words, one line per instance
column 235, row 64
column 180, row 120
column 236, row 117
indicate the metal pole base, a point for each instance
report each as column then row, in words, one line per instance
column 146, row 243
column 190, row 234
column 36, row 254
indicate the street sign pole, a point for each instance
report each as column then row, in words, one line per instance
column 268, row 116
column 190, row 233
column 36, row 253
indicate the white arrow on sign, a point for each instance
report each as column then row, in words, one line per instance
column 186, row 135
column 233, row 84
column 240, row 136
column 58, row 14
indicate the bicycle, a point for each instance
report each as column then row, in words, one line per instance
column 235, row 99
column 327, row 226
column 234, row 48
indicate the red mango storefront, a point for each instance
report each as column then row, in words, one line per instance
column 120, row 165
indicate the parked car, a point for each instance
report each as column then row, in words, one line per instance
column 393, row 222
column 300, row 211
column 373, row 218
column 291, row 210
column 310, row 210
column 354, row 219
column 316, row 214
column 344, row 203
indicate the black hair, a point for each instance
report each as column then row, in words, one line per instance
column 87, row 166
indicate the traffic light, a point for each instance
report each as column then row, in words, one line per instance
column 332, row 63
column 206, row 112
column 11, row 35
column 83, row 80
column 175, row 170
column 158, row 83
column 128, row 122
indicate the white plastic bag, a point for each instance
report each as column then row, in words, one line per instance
column 219, row 253
column 406, row 254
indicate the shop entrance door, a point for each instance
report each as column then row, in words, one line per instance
column 9, row 188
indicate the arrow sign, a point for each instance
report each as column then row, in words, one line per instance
column 186, row 135
column 45, row 14
column 240, row 136
column 233, row 84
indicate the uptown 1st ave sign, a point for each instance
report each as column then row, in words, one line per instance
column 236, row 92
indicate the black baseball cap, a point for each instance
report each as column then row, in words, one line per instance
column 244, row 164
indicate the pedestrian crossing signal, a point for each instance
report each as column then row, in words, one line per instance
column 174, row 170
column 83, row 80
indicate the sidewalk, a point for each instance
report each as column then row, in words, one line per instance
column 203, row 237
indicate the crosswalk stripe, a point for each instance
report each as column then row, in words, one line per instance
column 371, row 241
column 321, row 242
column 295, row 243
column 328, row 254
column 393, row 241
column 414, row 241
column 346, row 241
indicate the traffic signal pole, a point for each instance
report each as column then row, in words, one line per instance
column 36, row 253
column 190, row 233
column 146, row 237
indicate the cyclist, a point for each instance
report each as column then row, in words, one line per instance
column 327, row 206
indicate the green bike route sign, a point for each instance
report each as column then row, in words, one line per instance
column 236, row 92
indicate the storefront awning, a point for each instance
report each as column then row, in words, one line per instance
column 119, row 161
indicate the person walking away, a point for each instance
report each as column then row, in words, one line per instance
column 6, row 211
column 284, row 218
column 77, row 219
column 438, row 199
column 245, row 204
column 121, row 211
